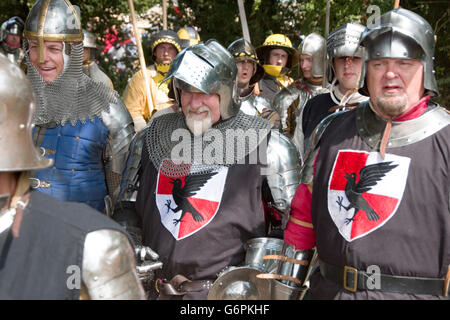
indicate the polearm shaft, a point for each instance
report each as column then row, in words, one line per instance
column 327, row 30
column 243, row 19
column 164, row 9
column 150, row 94
column 396, row 4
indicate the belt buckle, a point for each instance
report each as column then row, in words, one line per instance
column 355, row 278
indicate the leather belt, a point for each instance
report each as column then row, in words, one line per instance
column 352, row 280
column 180, row 285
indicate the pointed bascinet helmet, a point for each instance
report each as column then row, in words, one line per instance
column 53, row 20
column 17, row 105
column 401, row 34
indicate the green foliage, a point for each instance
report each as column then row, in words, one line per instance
column 219, row 19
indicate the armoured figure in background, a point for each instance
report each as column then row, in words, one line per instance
column 188, row 37
column 11, row 40
column 290, row 101
column 164, row 47
column 249, row 73
column 80, row 124
column 278, row 57
column 198, row 200
column 372, row 173
column 90, row 66
column 343, row 72
column 71, row 252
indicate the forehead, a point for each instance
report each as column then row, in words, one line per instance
column 166, row 45
column 305, row 56
column 47, row 43
column 394, row 60
column 241, row 61
column 278, row 52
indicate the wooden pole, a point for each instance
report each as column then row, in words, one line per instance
column 150, row 94
column 327, row 30
column 243, row 19
column 396, row 4
column 164, row 9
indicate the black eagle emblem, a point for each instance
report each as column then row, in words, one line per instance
column 368, row 178
column 192, row 184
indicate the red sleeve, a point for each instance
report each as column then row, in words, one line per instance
column 299, row 231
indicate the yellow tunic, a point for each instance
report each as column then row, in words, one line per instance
column 135, row 95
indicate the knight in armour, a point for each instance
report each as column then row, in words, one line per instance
column 374, row 195
column 11, row 40
column 249, row 73
column 197, row 212
column 290, row 101
column 80, row 124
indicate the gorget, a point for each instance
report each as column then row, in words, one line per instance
column 370, row 126
column 253, row 105
column 176, row 152
column 72, row 96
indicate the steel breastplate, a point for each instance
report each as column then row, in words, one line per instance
column 371, row 127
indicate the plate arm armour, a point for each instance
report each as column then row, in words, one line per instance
column 121, row 130
column 283, row 173
column 125, row 213
column 109, row 267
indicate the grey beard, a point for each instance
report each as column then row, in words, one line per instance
column 392, row 106
column 198, row 127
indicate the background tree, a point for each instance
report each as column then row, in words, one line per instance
column 219, row 19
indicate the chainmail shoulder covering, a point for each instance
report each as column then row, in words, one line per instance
column 72, row 96
column 226, row 143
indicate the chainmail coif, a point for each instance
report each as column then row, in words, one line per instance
column 72, row 96
column 159, row 143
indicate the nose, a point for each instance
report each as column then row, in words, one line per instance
column 348, row 61
column 196, row 100
column 391, row 71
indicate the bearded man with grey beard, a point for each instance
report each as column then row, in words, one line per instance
column 198, row 213
column 378, row 201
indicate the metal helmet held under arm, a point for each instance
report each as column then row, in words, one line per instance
column 53, row 20
column 401, row 34
column 13, row 25
column 314, row 45
column 278, row 41
column 243, row 50
column 343, row 42
column 16, row 109
column 188, row 36
column 208, row 68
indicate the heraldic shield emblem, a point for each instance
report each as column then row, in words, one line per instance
column 364, row 191
column 188, row 203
